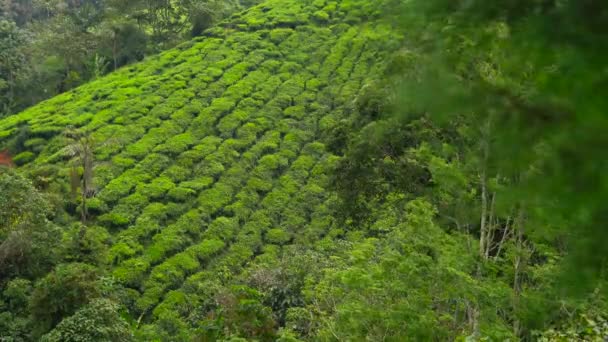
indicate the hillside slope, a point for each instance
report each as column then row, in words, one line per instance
column 209, row 156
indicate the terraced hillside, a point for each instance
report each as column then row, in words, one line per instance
column 209, row 157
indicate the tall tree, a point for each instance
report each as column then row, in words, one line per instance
column 80, row 151
column 12, row 63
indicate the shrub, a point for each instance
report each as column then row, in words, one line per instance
column 258, row 184
column 123, row 250
column 241, row 89
column 321, row 16
column 212, row 200
column 250, row 104
column 288, row 184
column 278, row 35
column 229, row 123
column 318, row 3
column 181, row 194
column 153, row 164
column 131, row 272
column 235, row 74
column 157, row 188
column 61, row 293
column 221, row 106
column 155, row 212
column 150, row 297
column 24, row 158
column 274, row 203
column 123, row 162
column 271, row 66
column 98, row 321
column 209, row 168
column 277, row 236
column 198, row 184
column 114, row 219
column 176, row 144
column 96, row 206
column 223, row 228
column 169, row 241
column 35, row 144
column 176, row 173
column 208, row 145
column 269, row 163
column 206, row 249
column 297, row 112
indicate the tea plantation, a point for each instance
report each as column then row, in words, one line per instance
column 209, row 161
column 313, row 170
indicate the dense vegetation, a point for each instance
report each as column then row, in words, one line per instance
column 50, row 46
column 320, row 170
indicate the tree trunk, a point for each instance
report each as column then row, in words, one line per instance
column 518, row 265
column 483, row 229
column 505, row 234
column 114, row 52
column 83, row 210
column 491, row 227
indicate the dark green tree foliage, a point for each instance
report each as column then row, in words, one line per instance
column 61, row 293
column 495, row 81
column 536, row 86
column 413, row 285
column 12, row 62
column 14, row 322
column 99, row 320
column 27, row 237
column 122, row 42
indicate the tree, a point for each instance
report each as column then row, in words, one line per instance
column 80, row 150
column 28, row 240
column 61, row 293
column 121, row 41
column 203, row 14
column 99, row 320
column 13, row 62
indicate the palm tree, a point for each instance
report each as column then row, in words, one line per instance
column 80, row 152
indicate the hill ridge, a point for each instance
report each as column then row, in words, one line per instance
column 211, row 145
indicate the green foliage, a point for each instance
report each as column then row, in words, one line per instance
column 277, row 236
column 430, row 257
column 223, row 228
column 24, row 157
column 87, row 244
column 17, row 293
column 54, row 47
column 12, row 63
column 97, row 321
column 321, row 16
column 583, row 328
column 245, row 314
column 157, row 188
column 29, row 240
column 61, row 293
column 214, row 207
